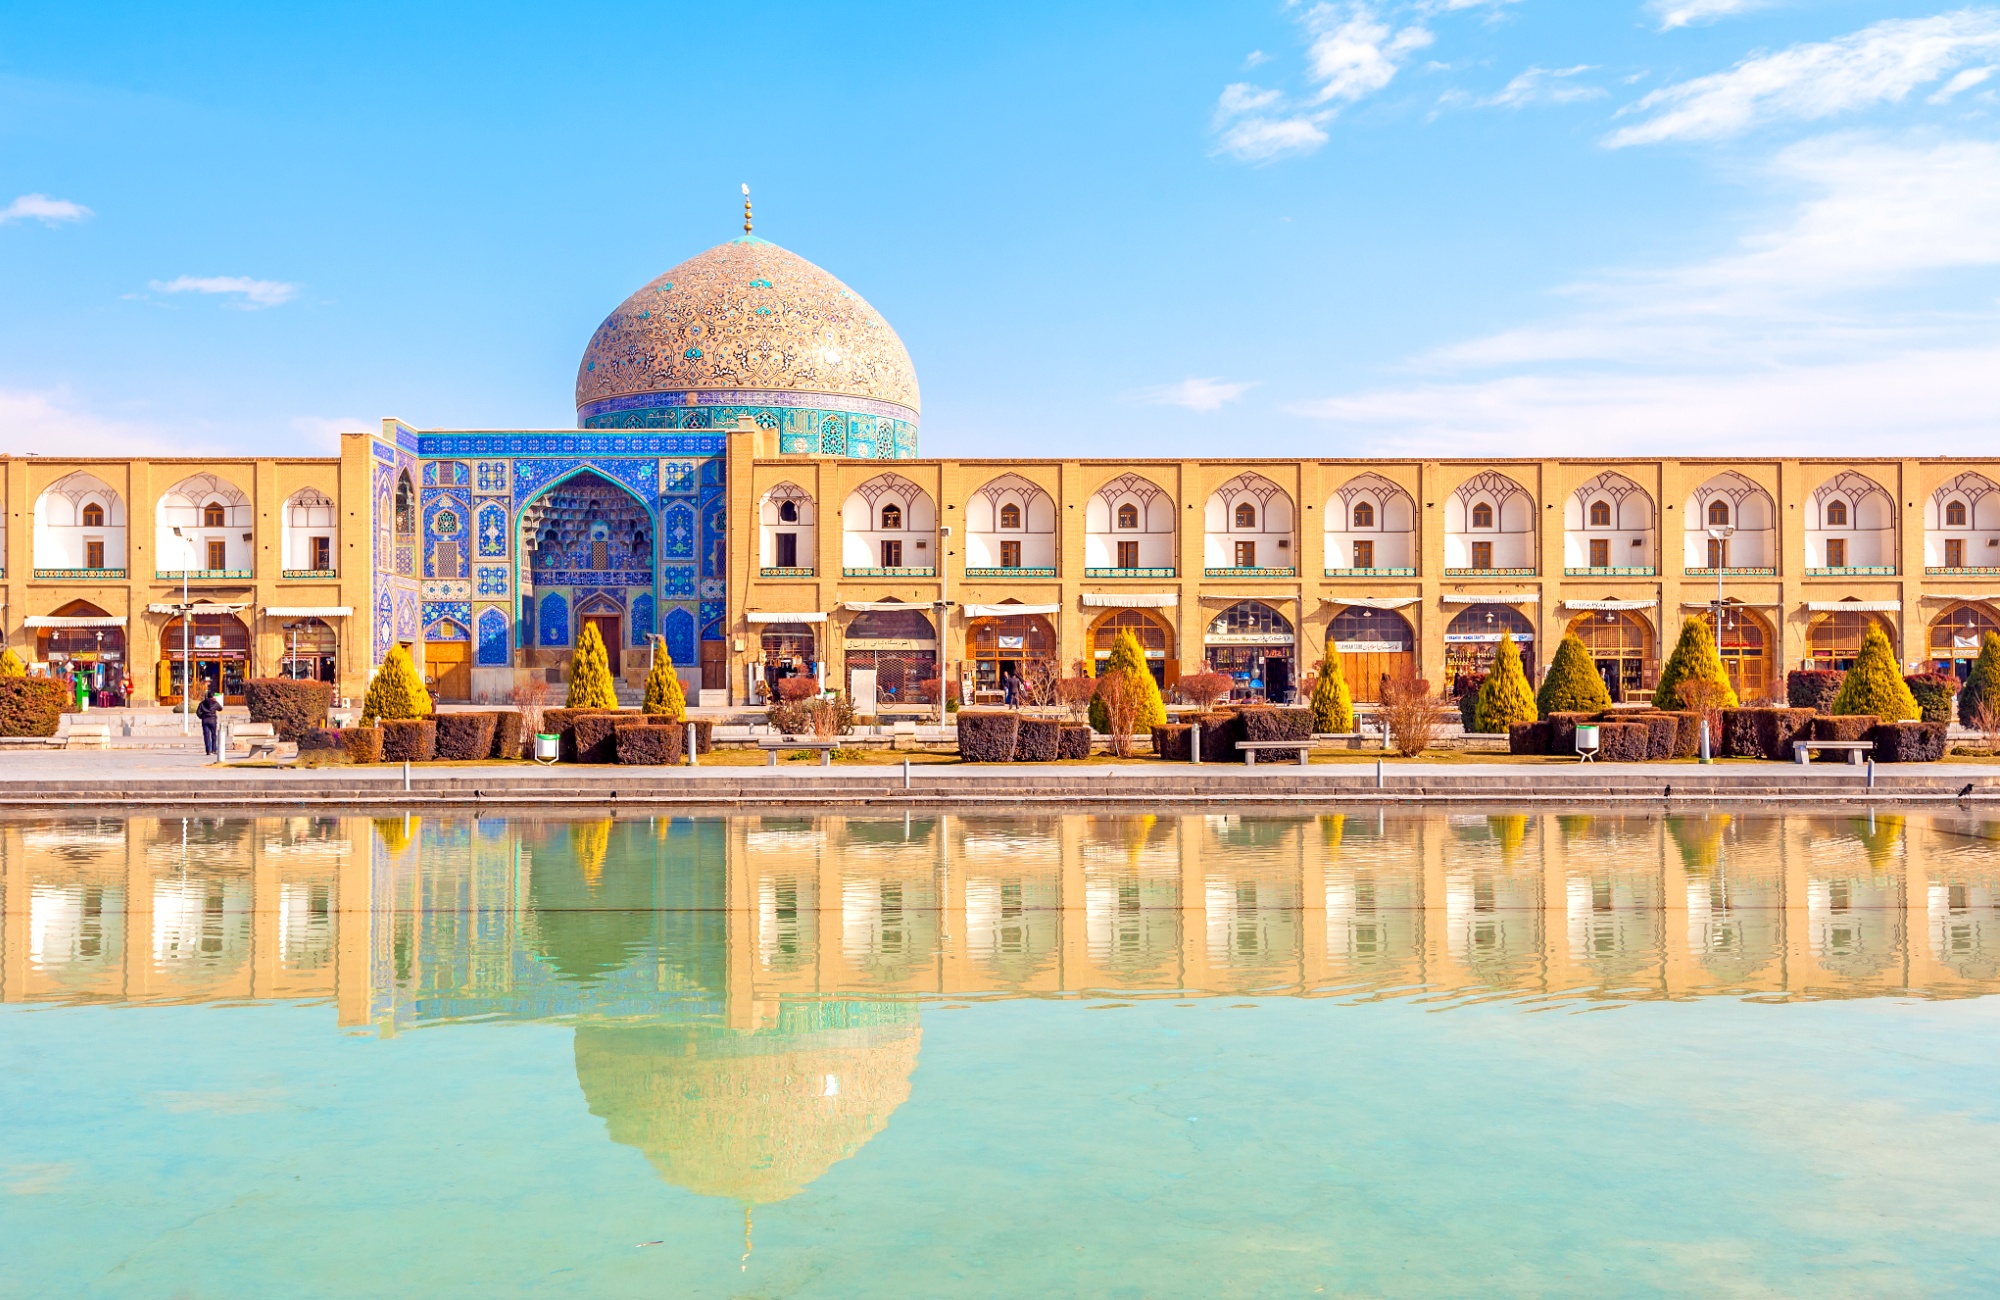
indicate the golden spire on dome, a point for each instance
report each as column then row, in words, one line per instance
column 746, row 207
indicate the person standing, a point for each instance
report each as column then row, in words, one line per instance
column 209, row 710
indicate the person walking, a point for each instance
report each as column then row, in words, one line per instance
column 209, row 710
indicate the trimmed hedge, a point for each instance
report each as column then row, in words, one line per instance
column 562, row 722
column 1170, row 742
column 1910, row 742
column 291, row 707
column 1036, row 740
column 1851, row 726
column 704, row 730
column 1662, row 730
column 464, row 736
column 323, row 740
column 595, row 736
column 1623, row 742
column 32, row 706
column 1219, row 734
column 1074, row 741
column 1813, row 688
column 1529, row 737
column 1687, row 733
column 1936, row 693
column 987, row 737
column 408, row 740
column 1562, row 731
column 363, row 744
column 1266, row 722
column 1764, row 732
column 508, row 725
column 653, row 746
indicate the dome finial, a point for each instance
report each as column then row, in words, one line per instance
column 746, row 207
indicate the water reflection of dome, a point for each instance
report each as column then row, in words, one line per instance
column 752, row 1117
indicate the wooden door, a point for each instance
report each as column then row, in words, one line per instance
column 448, row 670
column 607, row 627
column 714, row 665
column 1365, row 671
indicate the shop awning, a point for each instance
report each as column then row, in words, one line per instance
column 1732, row 604
column 1493, row 598
column 1131, row 600
column 1009, row 611
column 877, row 606
column 74, row 620
column 1855, row 606
column 1372, row 602
column 1944, row 599
column 788, row 616
column 308, row 611
column 199, row 608
column 1265, row 596
column 1609, row 604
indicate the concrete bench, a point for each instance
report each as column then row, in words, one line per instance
column 259, row 738
column 825, row 748
column 1802, row 749
column 87, row 735
column 1252, row 748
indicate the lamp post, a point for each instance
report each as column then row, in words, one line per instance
column 943, row 614
column 187, row 652
column 1719, row 533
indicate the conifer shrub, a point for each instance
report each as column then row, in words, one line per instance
column 987, row 736
column 1264, row 722
column 1910, row 742
column 508, row 734
column 291, row 707
column 1529, row 738
column 363, row 744
column 642, row 744
column 590, row 685
column 1695, row 658
column 1036, row 740
column 397, row 690
column 1935, row 693
column 1813, row 688
column 1573, row 684
column 408, row 740
column 32, row 706
column 11, row 665
column 1622, row 742
column 462, row 737
column 1332, row 701
column 1075, row 741
column 1982, row 684
column 1129, row 657
column 1505, row 698
column 1875, row 684
column 664, row 696
column 597, row 735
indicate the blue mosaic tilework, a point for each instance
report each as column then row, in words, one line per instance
column 493, row 476
column 680, row 633
column 678, row 580
column 711, row 620
column 552, row 620
column 578, row 577
column 383, row 452
column 491, row 529
column 385, row 622
column 406, row 615
column 493, row 579
column 715, row 537
column 494, row 649
column 570, row 443
column 679, row 531
column 677, row 476
column 642, row 476
column 642, row 618
column 447, row 517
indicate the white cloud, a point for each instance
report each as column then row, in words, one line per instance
column 1965, row 80
column 1255, row 57
column 53, row 420
column 1545, row 86
column 1881, row 64
column 1354, row 52
column 1194, row 394
column 1681, row 13
column 253, row 293
column 42, row 208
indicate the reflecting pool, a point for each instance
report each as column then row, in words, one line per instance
column 1395, row 1052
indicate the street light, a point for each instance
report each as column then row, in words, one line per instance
column 186, row 608
column 943, row 613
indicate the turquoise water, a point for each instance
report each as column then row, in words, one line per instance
column 1161, row 1056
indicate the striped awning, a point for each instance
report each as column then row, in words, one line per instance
column 1008, row 611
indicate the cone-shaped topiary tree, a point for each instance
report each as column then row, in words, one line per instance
column 1875, row 684
column 590, row 673
column 11, row 665
column 1505, row 697
column 1694, row 659
column 1332, row 702
column 1982, row 686
column 397, row 691
column 664, row 696
column 1128, row 657
column 1573, row 684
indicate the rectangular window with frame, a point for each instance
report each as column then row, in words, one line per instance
column 1246, row 555
column 1364, row 555
column 1954, row 553
column 892, row 554
column 1128, row 555
column 1718, row 553
column 218, row 554
column 1600, row 552
column 1010, row 555
column 1482, row 555
column 322, row 554
column 787, row 550
column 93, row 555
column 1836, row 553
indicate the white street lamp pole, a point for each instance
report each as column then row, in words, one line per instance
column 187, row 653
column 944, row 616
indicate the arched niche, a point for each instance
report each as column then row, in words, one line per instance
column 203, row 523
column 1472, row 638
column 1128, row 525
column 1489, row 526
column 1962, row 525
column 1958, row 632
column 309, row 532
column 1247, row 524
column 787, row 531
column 1749, row 648
column 80, row 526
column 888, row 523
column 1834, row 637
column 1154, row 633
column 1375, row 645
column 1253, row 644
column 1730, row 501
column 1621, row 646
column 1850, row 524
column 1371, row 527
column 1010, row 524
column 1609, row 524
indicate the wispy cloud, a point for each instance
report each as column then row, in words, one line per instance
column 53, row 419
column 1683, row 13
column 1964, row 81
column 1546, row 86
column 1354, row 51
column 249, row 293
column 1881, row 64
column 42, row 208
column 1194, row 394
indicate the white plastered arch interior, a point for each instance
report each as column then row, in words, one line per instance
column 1493, row 510
column 309, row 514
column 1966, row 510
column 1249, row 510
column 787, row 508
column 888, row 508
column 1129, row 509
column 1731, row 499
column 1614, row 510
column 1010, row 509
column 1371, row 510
column 1850, row 523
column 205, row 509
column 66, row 524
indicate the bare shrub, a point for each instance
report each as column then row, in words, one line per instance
column 1039, row 679
column 1409, row 714
column 531, row 697
column 1204, row 689
column 1074, row 692
column 1705, row 696
column 1986, row 721
column 1121, row 709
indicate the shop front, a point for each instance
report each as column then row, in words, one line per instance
column 1153, row 633
column 1375, row 646
column 1473, row 637
column 1957, row 634
column 211, row 648
column 1620, row 644
column 311, row 650
column 1834, row 637
column 84, row 644
column 788, row 650
column 1745, row 643
column 891, row 657
column 1007, row 643
column 1255, row 647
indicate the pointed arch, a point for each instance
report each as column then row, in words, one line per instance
column 79, row 518
column 1371, row 526
column 1962, row 525
column 1489, row 526
column 787, row 511
column 1609, row 523
column 1850, row 524
column 1730, row 500
column 1128, row 524
column 888, row 522
column 1010, row 525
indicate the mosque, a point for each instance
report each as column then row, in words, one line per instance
column 744, row 484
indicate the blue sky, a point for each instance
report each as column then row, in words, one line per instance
column 1440, row 226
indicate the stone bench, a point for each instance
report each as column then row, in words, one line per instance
column 825, row 747
column 260, row 739
column 1251, row 748
column 87, row 735
column 1802, row 749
